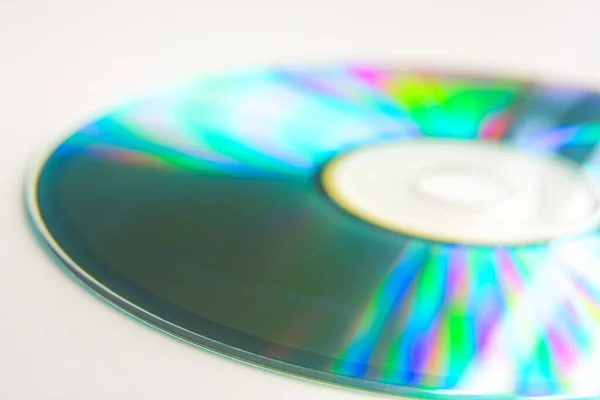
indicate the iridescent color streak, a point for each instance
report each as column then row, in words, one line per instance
column 512, row 274
column 460, row 319
column 563, row 136
column 291, row 121
column 409, row 352
column 495, row 126
column 372, row 319
column 458, row 313
column 457, row 110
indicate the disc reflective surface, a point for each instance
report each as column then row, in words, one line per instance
column 201, row 211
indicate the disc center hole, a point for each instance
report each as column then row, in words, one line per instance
column 461, row 186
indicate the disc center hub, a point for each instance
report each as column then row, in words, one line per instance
column 471, row 192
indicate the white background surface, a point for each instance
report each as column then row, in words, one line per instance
column 62, row 62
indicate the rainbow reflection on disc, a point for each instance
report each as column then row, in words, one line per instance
column 201, row 211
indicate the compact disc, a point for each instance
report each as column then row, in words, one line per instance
column 412, row 232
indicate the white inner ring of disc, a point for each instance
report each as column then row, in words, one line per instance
column 463, row 191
